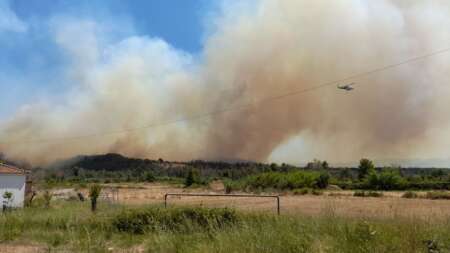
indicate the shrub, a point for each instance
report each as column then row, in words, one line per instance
column 386, row 180
column 302, row 191
column 149, row 177
column 228, row 189
column 437, row 195
column 374, row 194
column 94, row 193
column 192, row 177
column 323, row 180
column 47, row 197
column 316, row 192
column 368, row 194
column 288, row 180
column 410, row 195
column 139, row 221
column 359, row 194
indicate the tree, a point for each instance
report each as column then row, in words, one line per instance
column 322, row 180
column 388, row 179
column 325, row 165
column 317, row 165
column 149, row 177
column 274, row 167
column 365, row 168
column 438, row 174
column 191, row 177
column 94, row 193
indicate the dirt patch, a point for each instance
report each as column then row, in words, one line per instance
column 13, row 248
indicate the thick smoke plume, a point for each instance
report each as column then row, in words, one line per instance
column 253, row 52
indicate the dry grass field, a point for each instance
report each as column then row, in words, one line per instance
column 340, row 203
column 335, row 221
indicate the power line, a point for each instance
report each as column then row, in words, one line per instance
column 233, row 108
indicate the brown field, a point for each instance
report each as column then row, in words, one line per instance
column 339, row 203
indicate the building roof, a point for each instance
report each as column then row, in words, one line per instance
column 11, row 170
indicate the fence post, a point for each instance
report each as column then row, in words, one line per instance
column 165, row 200
column 278, row 205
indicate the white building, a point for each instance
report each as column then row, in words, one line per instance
column 12, row 180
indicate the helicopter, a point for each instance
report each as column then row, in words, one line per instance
column 346, row 87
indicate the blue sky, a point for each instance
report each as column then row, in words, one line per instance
column 31, row 64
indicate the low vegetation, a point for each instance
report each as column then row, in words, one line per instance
column 410, row 195
column 242, row 176
column 187, row 220
column 437, row 195
column 282, row 181
column 368, row 194
column 70, row 226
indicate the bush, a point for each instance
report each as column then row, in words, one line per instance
column 302, row 191
column 192, row 178
column 386, row 180
column 374, row 194
column 368, row 194
column 287, row 180
column 359, row 194
column 316, row 192
column 228, row 189
column 94, row 193
column 323, row 180
column 149, row 177
column 139, row 221
column 437, row 195
column 47, row 197
column 410, row 195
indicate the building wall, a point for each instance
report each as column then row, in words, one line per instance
column 14, row 184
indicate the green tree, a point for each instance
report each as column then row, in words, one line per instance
column 94, row 193
column 388, row 179
column 323, row 180
column 274, row 167
column 191, row 177
column 325, row 165
column 439, row 173
column 365, row 167
column 149, row 177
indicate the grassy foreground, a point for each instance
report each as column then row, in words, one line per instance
column 71, row 227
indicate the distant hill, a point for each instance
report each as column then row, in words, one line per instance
column 115, row 165
column 110, row 162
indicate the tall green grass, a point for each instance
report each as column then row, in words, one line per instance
column 71, row 227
